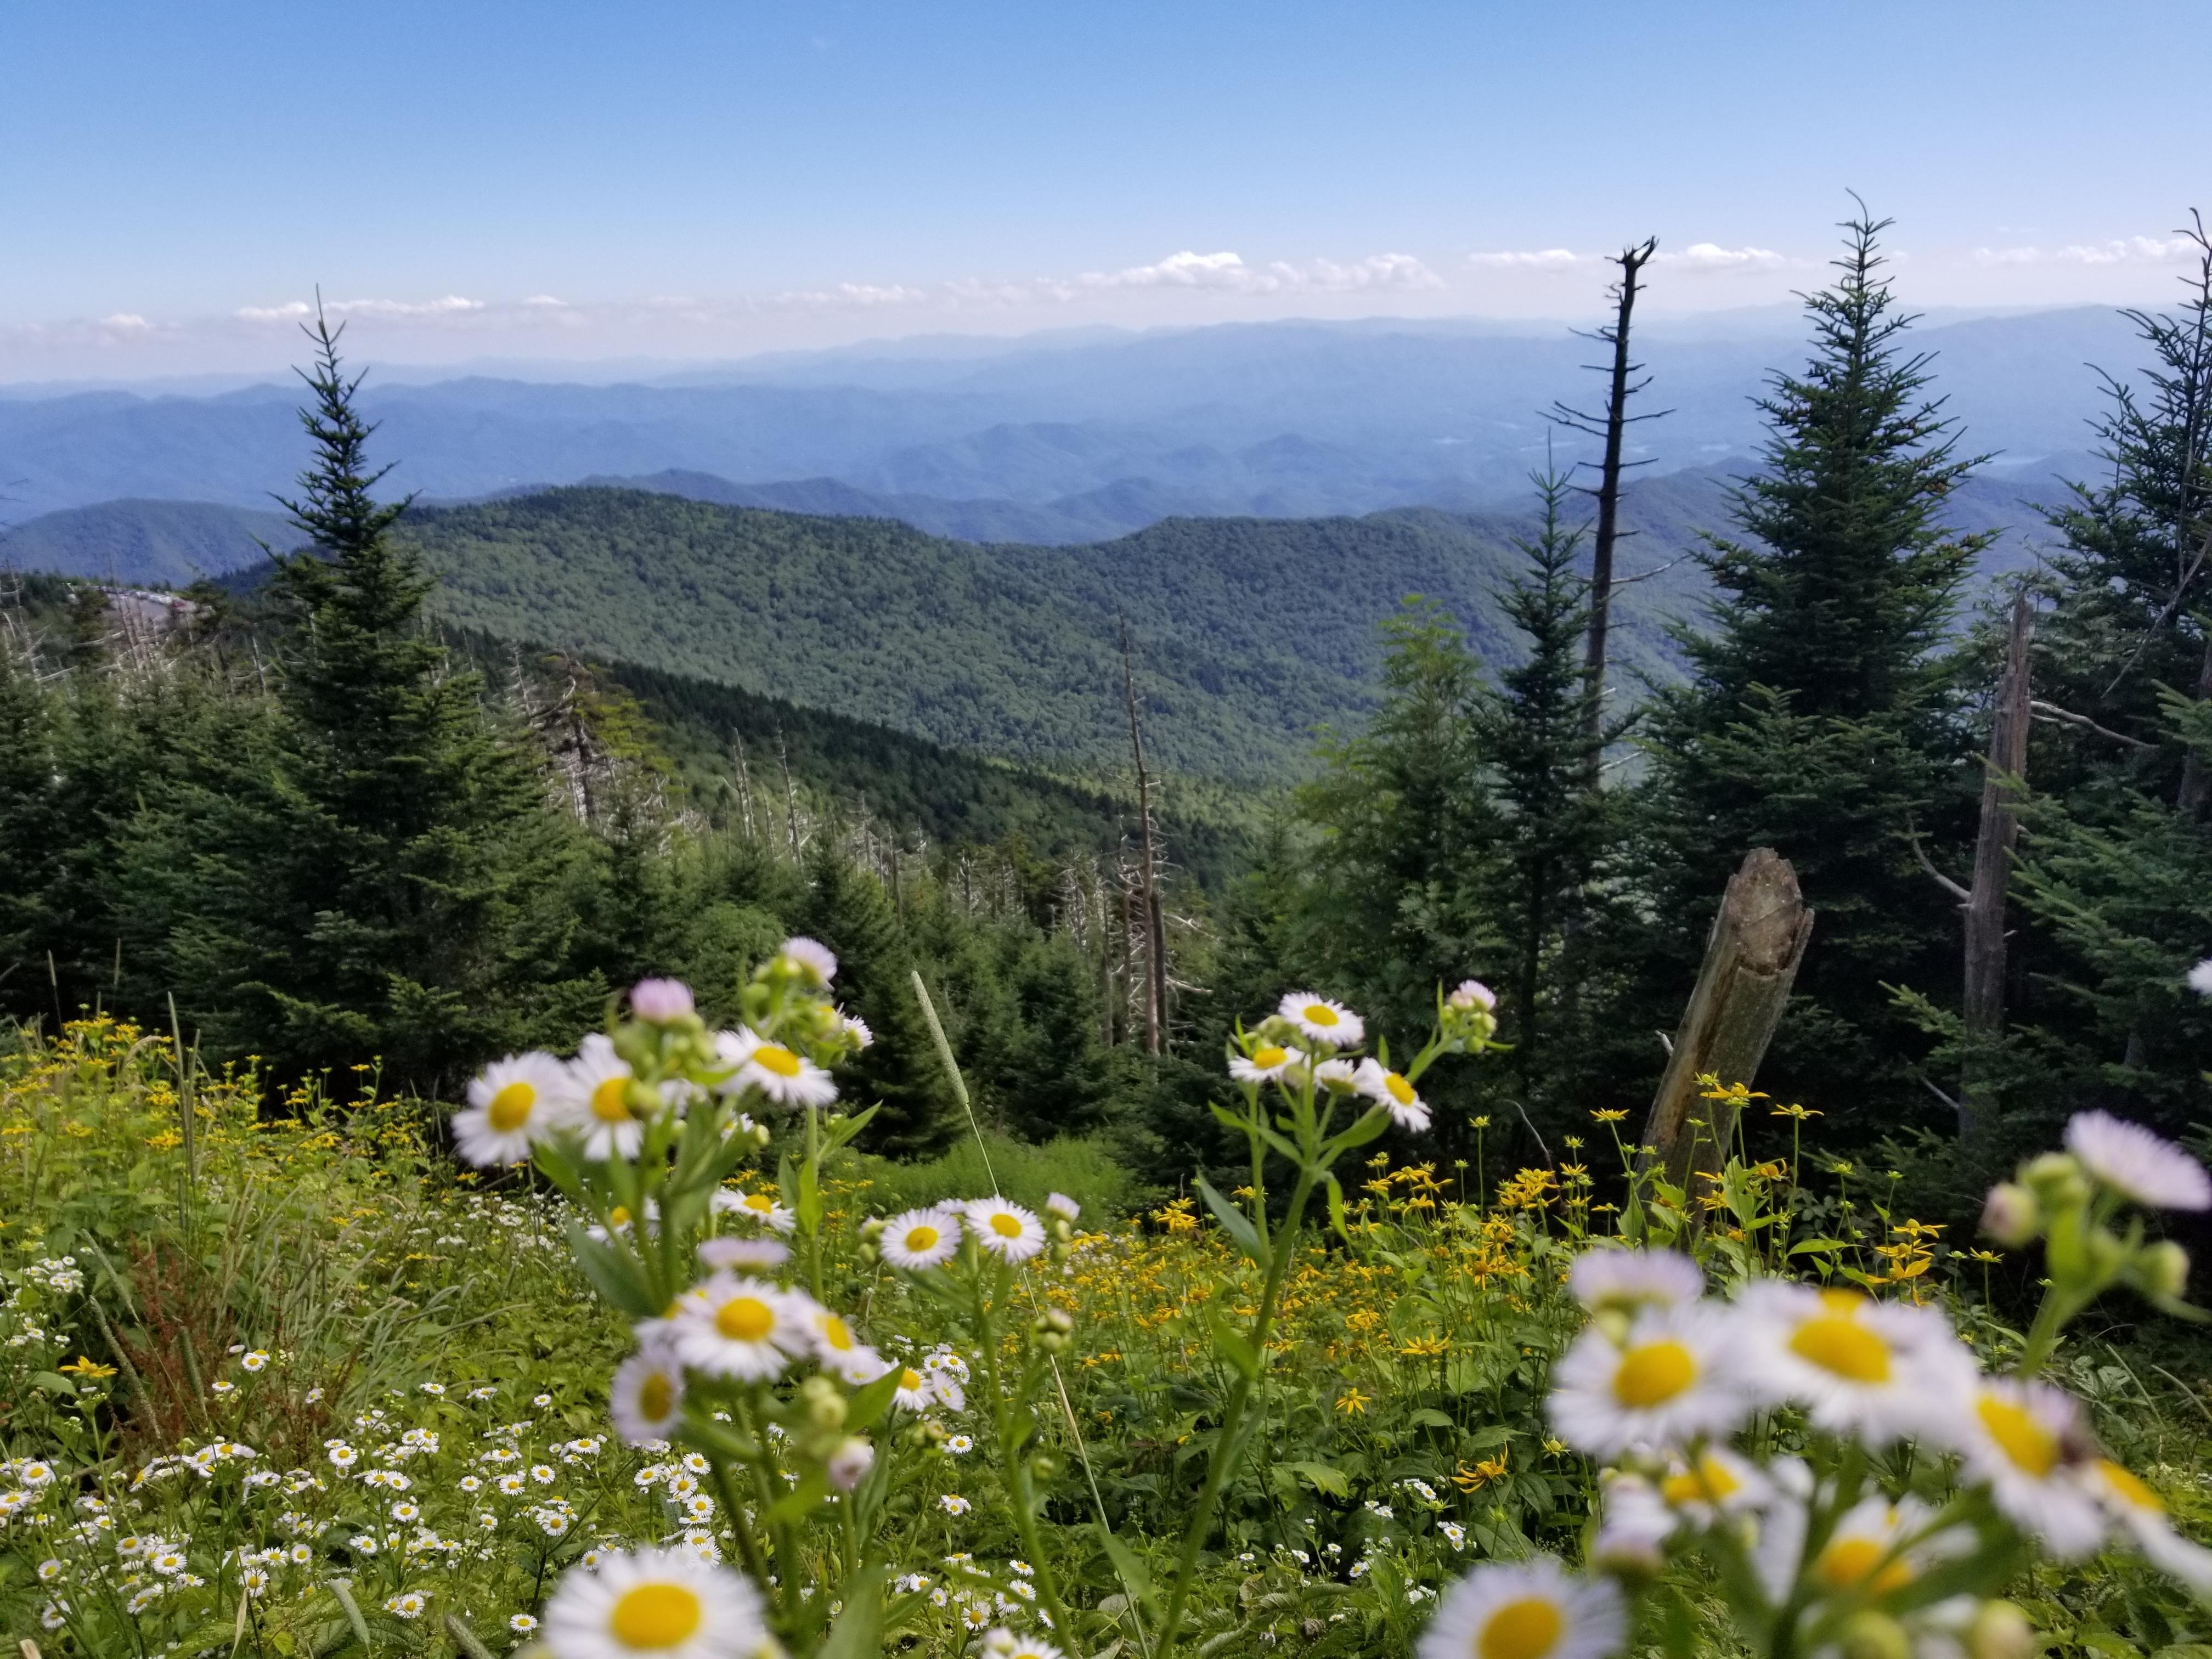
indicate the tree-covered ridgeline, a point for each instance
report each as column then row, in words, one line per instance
column 341, row 834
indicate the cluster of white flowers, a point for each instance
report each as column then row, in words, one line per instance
column 1301, row 1045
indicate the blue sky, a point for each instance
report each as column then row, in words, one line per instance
column 705, row 178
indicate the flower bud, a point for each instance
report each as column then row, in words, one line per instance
column 2000, row 1630
column 661, row 1001
column 2010, row 1215
column 1044, row 1465
column 873, row 1229
column 1472, row 994
column 848, row 1465
column 1627, row 1552
column 2162, row 1269
column 1873, row 1636
column 825, row 1406
column 2056, row 1180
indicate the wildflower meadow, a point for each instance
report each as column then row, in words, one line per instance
column 624, row 1358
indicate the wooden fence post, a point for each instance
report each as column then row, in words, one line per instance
column 1751, row 961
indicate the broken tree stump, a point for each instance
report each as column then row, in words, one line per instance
column 1751, row 961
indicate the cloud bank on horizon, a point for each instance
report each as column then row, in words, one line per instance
column 1187, row 287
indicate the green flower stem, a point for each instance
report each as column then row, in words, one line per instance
column 787, row 1563
column 1013, row 1466
column 749, row 1549
column 1232, row 1416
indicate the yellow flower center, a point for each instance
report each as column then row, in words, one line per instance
column 1526, row 1629
column 1709, row 1483
column 2130, row 1489
column 1267, row 1058
column 921, row 1238
column 1320, row 1014
column 760, row 1203
column 1401, row 1090
column 619, row 1215
column 1836, row 1342
column 656, row 1616
column 611, row 1100
column 1005, row 1225
column 1851, row 1564
column 2024, row 1441
column 746, row 1319
column 656, row 1396
column 909, row 1381
column 773, row 1057
column 1653, row 1374
column 510, row 1108
column 836, row 1333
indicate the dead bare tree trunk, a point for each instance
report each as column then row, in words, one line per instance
column 1751, row 961
column 790, row 793
column 1155, row 985
column 1611, row 427
column 1993, row 846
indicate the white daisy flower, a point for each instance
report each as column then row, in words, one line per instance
column 2029, row 1442
column 408, row 1605
column 741, row 1327
column 1530, row 1609
column 914, row 1392
column 1716, row 1482
column 1061, row 1205
column 1883, row 1370
column 661, row 1001
column 761, row 1206
column 1862, row 1554
column 1006, row 1231
column 958, row 1445
column 920, row 1239
column 1025, row 1647
column 604, row 1114
column 669, row 1603
column 1387, row 1088
column 953, row 1503
column 753, row 1253
column 840, row 1351
column 1627, row 1280
column 1670, row 1381
column 256, row 1360
column 784, row 1075
column 814, row 960
column 1266, row 1061
column 2138, row 1164
column 511, row 1106
column 1473, row 993
column 522, row 1623
column 645, row 1398
column 848, row 1465
column 2140, row 1512
column 1634, row 1523
column 1337, row 1076
column 855, row 1029
column 1322, row 1020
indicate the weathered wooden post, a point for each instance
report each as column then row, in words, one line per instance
column 1751, row 961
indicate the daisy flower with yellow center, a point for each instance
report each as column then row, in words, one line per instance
column 912, row 1393
column 1877, row 1547
column 841, row 1352
column 2142, row 1514
column 512, row 1105
column 1385, row 1087
column 918, row 1240
column 749, row 1253
column 2030, row 1444
column 811, row 959
column 1669, row 1381
column 1322, row 1020
column 760, row 1207
column 1713, row 1483
column 1883, row 1370
column 604, row 1109
column 668, row 1603
column 741, row 1327
column 1265, row 1063
column 1006, row 1231
column 645, row 1398
column 1626, row 1281
column 781, row 1073
column 1531, row 1609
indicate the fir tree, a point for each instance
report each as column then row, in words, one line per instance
column 1819, row 718
column 387, row 889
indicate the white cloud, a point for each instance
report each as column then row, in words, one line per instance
column 1711, row 257
column 1549, row 258
column 1226, row 272
column 546, row 302
column 848, row 296
column 293, row 311
column 2121, row 251
column 290, row 311
column 125, row 322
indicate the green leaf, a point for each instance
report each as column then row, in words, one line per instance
column 610, row 1274
column 1127, row 1566
column 797, row 1504
column 1233, row 1220
column 1819, row 1246
column 858, row 1633
column 1376, row 1121
column 1336, row 1210
column 1330, row 1482
column 871, row 1401
column 53, row 1383
column 1231, row 1344
column 842, row 1129
column 1428, row 1417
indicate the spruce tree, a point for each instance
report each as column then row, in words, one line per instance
column 1534, row 735
column 1818, row 717
column 386, row 891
